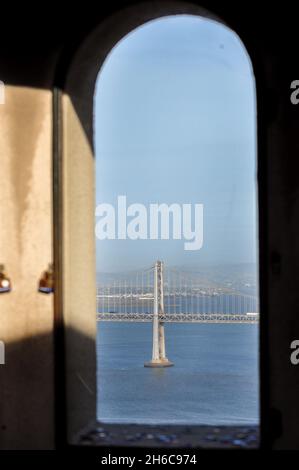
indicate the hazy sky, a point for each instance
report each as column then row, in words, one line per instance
column 175, row 122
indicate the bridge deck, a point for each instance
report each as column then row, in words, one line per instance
column 178, row 318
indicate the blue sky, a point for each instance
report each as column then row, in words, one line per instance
column 175, row 121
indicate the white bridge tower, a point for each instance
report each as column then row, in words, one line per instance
column 159, row 358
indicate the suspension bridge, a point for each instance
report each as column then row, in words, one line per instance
column 160, row 295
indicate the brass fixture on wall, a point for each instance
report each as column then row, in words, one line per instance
column 5, row 283
column 46, row 282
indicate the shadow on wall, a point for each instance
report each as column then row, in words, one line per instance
column 27, row 391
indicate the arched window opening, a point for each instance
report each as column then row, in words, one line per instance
column 175, row 137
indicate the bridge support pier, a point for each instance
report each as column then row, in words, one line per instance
column 159, row 358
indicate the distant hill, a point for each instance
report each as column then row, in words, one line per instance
column 239, row 277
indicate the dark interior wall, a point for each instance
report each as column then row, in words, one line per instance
column 31, row 35
column 36, row 47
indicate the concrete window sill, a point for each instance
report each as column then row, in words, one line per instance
column 171, row 436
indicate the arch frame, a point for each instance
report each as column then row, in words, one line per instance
column 74, row 205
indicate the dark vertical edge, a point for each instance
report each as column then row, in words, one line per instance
column 60, row 406
column 263, row 198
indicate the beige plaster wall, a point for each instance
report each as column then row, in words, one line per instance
column 79, row 280
column 26, row 316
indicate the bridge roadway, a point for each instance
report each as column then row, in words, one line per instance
column 179, row 317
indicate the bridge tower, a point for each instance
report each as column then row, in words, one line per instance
column 159, row 358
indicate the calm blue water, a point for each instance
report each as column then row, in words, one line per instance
column 214, row 379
